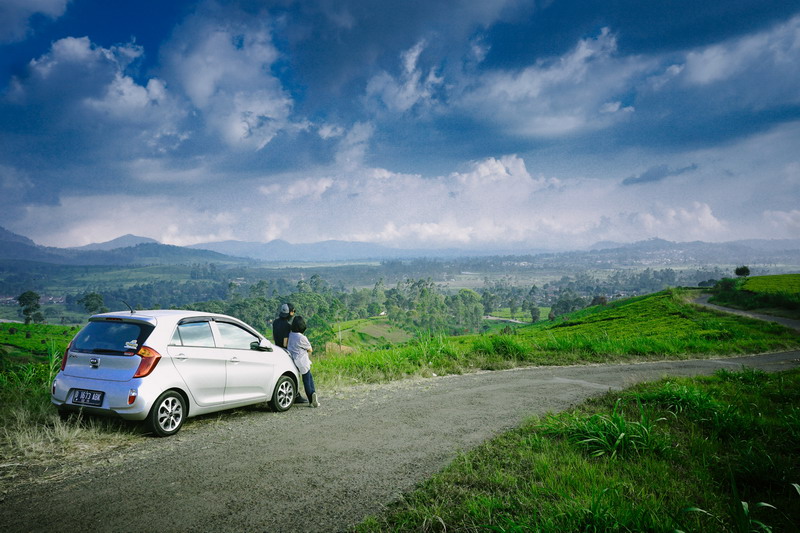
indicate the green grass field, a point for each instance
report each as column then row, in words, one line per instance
column 369, row 332
column 780, row 284
column 658, row 326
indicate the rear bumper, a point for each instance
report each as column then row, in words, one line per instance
column 115, row 396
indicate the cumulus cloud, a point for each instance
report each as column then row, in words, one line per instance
column 79, row 86
column 15, row 15
column 224, row 67
column 579, row 91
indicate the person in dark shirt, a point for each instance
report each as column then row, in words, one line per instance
column 281, row 327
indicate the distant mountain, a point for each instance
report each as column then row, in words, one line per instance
column 279, row 250
column 130, row 250
column 120, row 242
column 18, row 248
column 665, row 253
column 9, row 237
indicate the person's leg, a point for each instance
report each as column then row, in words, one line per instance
column 311, row 391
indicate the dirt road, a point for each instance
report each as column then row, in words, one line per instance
column 317, row 469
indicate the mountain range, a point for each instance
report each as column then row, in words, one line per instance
column 129, row 250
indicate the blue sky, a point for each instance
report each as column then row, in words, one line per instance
column 492, row 124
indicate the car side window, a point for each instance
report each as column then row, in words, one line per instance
column 234, row 336
column 176, row 338
column 196, row 334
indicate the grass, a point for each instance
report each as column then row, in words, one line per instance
column 780, row 284
column 32, row 341
column 654, row 327
column 717, row 453
column 773, row 295
column 369, row 333
column 32, row 435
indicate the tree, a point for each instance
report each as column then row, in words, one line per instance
column 742, row 271
column 93, row 303
column 536, row 313
column 29, row 301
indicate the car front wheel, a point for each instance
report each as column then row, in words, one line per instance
column 167, row 414
column 283, row 395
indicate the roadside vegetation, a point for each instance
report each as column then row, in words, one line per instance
column 715, row 453
column 776, row 295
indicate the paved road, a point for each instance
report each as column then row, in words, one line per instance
column 318, row 469
column 788, row 322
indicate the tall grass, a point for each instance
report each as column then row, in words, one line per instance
column 31, row 431
column 652, row 458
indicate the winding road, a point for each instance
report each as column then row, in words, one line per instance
column 317, row 469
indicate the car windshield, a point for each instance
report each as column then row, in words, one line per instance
column 111, row 337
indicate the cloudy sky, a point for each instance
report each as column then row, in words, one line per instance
column 547, row 124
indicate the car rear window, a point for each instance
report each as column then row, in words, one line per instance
column 111, row 337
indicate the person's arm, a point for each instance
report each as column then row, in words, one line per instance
column 286, row 342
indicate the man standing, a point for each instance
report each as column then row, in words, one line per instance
column 281, row 327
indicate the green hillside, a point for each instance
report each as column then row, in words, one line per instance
column 658, row 326
column 777, row 295
column 779, row 284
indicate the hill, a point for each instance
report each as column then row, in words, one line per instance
column 125, row 241
column 18, row 248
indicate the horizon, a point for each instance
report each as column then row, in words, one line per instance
column 490, row 251
column 452, row 124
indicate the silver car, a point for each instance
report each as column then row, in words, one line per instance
column 165, row 366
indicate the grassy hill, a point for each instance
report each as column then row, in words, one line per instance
column 653, row 327
column 777, row 295
column 778, row 284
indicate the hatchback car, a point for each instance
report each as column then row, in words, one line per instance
column 162, row 367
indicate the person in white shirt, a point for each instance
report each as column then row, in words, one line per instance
column 300, row 349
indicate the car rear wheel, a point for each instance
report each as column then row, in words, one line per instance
column 167, row 414
column 283, row 395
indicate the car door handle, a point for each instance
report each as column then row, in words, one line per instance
column 181, row 357
column 234, row 360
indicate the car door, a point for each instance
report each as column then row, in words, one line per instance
column 198, row 360
column 249, row 372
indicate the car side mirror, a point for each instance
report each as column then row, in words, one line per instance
column 262, row 346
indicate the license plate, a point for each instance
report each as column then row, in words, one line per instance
column 88, row 397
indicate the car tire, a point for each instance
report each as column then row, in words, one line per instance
column 167, row 414
column 283, row 395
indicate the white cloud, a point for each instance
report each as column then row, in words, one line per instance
column 15, row 14
column 100, row 218
column 778, row 47
column 224, row 68
column 84, row 87
column 576, row 92
column 412, row 87
column 303, row 189
column 783, row 224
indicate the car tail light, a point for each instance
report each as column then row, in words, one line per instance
column 64, row 357
column 150, row 359
column 132, row 394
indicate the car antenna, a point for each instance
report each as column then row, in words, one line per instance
column 129, row 307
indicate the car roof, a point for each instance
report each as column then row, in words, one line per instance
column 153, row 315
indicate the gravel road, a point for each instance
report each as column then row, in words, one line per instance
column 317, row 469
